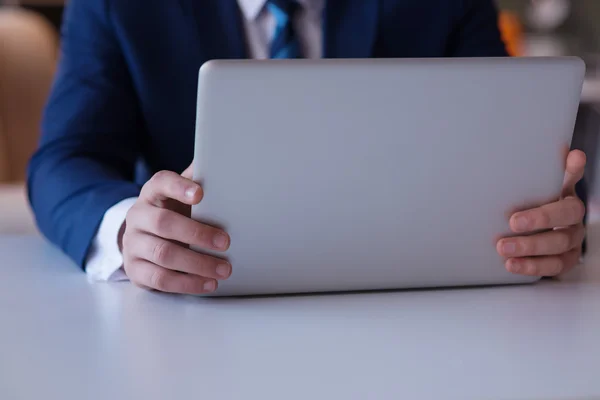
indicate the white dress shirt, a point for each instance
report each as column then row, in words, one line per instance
column 104, row 260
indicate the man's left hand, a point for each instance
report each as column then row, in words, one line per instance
column 558, row 248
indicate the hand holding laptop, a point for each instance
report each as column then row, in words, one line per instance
column 157, row 232
column 558, row 248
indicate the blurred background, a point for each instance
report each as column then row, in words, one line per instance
column 29, row 43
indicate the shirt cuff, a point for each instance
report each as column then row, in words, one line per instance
column 105, row 261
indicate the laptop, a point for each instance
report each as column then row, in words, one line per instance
column 354, row 175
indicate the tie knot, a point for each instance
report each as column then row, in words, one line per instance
column 288, row 7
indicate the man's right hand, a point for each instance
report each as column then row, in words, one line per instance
column 158, row 231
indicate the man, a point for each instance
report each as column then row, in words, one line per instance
column 126, row 90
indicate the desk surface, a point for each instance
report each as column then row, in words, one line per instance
column 62, row 337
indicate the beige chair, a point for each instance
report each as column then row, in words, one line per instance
column 28, row 55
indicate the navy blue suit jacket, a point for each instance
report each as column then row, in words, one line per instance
column 126, row 87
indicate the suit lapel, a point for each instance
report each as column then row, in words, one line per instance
column 220, row 28
column 350, row 28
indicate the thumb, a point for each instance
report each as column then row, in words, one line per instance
column 189, row 172
column 574, row 170
column 181, row 208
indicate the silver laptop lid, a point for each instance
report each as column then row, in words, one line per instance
column 337, row 175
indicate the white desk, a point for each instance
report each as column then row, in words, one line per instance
column 64, row 338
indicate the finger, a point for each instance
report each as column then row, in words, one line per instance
column 144, row 273
column 569, row 211
column 189, row 172
column 554, row 242
column 544, row 266
column 170, row 225
column 166, row 185
column 170, row 255
column 574, row 170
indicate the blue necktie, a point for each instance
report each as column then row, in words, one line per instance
column 285, row 42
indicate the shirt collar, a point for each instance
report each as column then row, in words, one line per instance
column 252, row 8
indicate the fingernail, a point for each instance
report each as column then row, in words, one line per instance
column 209, row 286
column 514, row 266
column 191, row 192
column 509, row 248
column 522, row 223
column 220, row 241
column 224, row 270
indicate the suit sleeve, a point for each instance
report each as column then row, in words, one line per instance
column 89, row 142
column 476, row 32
